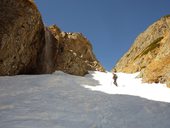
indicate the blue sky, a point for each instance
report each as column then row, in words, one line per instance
column 110, row 25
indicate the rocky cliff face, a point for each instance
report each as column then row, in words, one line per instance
column 74, row 53
column 21, row 37
column 27, row 47
column 150, row 54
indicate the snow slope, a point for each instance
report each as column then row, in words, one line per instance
column 65, row 101
column 130, row 85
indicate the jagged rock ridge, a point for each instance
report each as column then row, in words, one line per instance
column 74, row 53
column 150, row 53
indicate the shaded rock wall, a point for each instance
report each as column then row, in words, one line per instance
column 150, row 53
column 21, row 37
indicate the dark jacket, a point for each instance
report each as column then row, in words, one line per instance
column 115, row 79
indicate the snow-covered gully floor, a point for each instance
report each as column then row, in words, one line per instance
column 65, row 101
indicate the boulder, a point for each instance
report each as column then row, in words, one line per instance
column 21, row 37
column 150, row 54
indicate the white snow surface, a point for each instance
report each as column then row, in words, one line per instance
column 129, row 84
column 60, row 100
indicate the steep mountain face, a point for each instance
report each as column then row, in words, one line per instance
column 21, row 37
column 74, row 53
column 150, row 54
column 27, row 47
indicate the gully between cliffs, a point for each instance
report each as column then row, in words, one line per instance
column 49, row 53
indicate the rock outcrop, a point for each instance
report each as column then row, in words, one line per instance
column 27, row 47
column 21, row 37
column 150, row 54
column 74, row 53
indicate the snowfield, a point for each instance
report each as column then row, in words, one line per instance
column 129, row 84
column 60, row 100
